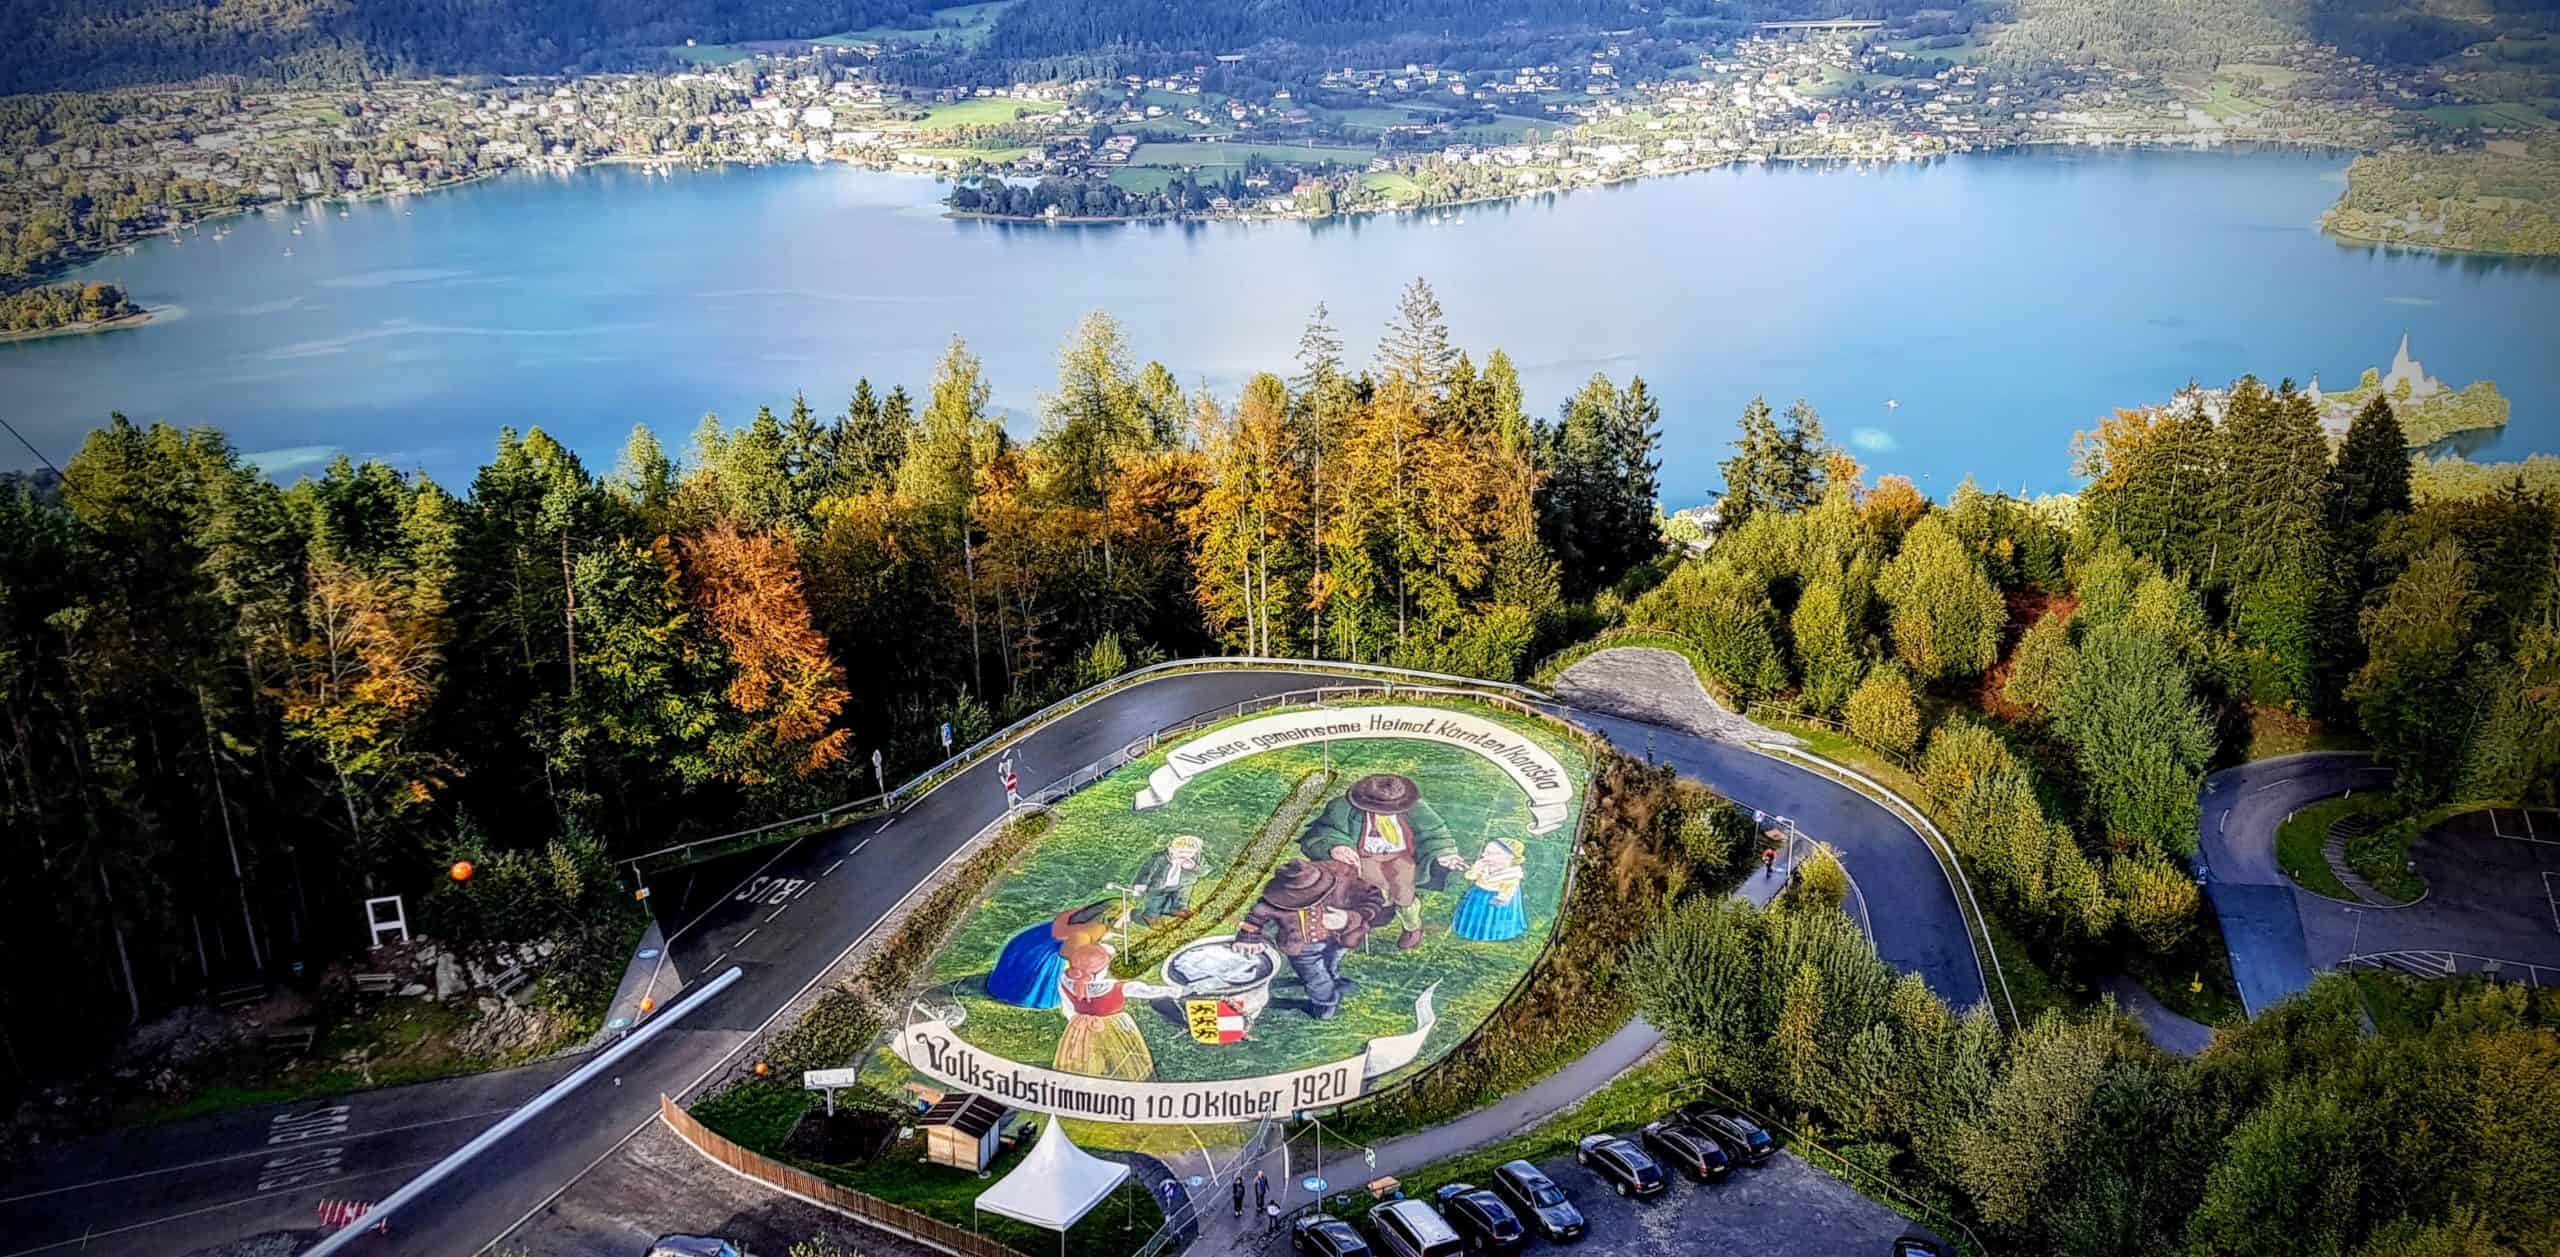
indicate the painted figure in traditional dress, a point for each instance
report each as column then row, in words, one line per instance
column 1382, row 827
column 1491, row 911
column 1027, row 971
column 1162, row 885
column 1101, row 1039
column 1313, row 911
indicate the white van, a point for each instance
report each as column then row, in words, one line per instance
column 1410, row 1228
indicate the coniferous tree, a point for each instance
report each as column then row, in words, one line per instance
column 1775, row 468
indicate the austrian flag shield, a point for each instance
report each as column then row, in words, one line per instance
column 1214, row 1020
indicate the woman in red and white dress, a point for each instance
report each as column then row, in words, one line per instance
column 1101, row 1039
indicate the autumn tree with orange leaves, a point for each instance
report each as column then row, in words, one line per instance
column 784, row 687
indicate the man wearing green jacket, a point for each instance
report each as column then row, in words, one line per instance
column 1382, row 827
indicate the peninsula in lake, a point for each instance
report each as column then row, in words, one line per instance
column 2429, row 410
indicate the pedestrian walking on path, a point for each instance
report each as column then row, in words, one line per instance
column 1271, row 1212
column 1261, row 1189
column 1238, row 1194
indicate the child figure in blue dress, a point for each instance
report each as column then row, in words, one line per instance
column 1491, row 911
column 1033, row 961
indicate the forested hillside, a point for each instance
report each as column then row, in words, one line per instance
column 230, row 710
column 80, row 44
column 2167, row 35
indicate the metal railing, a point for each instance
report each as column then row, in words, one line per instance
column 1948, row 865
column 897, row 797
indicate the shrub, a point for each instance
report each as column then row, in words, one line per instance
column 1884, row 714
column 2159, row 901
column 1960, row 754
column 1634, row 861
column 1821, row 879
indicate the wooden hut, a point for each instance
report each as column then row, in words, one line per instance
column 961, row 1130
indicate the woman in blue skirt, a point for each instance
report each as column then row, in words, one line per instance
column 1491, row 911
column 1028, row 970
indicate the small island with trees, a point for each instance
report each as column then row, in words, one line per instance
column 65, row 309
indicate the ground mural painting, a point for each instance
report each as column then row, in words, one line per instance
column 1273, row 915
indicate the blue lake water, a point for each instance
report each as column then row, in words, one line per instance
column 2002, row 301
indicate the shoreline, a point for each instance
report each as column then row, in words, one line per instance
column 1723, row 161
column 667, row 165
column 116, row 324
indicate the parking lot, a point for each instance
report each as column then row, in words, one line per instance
column 1783, row 1209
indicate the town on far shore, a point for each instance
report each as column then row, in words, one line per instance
column 1238, row 135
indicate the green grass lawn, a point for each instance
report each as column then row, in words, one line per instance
column 1972, row 49
column 1374, row 117
column 2299, row 839
column 1399, row 189
column 984, row 112
column 707, row 54
column 759, row 1116
column 2225, row 102
column 1228, row 153
column 959, row 26
column 1147, row 179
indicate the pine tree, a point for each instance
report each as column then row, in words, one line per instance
column 2369, row 483
column 1775, row 468
column 2418, row 637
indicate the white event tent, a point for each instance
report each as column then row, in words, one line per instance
column 1056, row 1184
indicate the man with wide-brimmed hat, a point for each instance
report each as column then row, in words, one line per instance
column 1312, row 911
column 1382, row 827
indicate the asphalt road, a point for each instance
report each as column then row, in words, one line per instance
column 789, row 915
column 2262, row 911
column 1783, row 1209
column 1910, row 910
column 158, row 1190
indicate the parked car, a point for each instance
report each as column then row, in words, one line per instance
column 693, row 1246
column 1409, row 1228
column 1624, row 1165
column 1323, row 1235
column 1742, row 1138
column 1480, row 1218
column 1687, row 1149
column 1538, row 1201
column 1920, row 1246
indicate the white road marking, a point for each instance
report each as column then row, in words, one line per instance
column 2551, row 895
column 742, row 939
column 857, row 848
column 886, row 824
column 716, row 963
column 837, row 865
column 776, row 913
column 2224, row 822
column 243, row 1156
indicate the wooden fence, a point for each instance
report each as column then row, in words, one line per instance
column 798, row 1182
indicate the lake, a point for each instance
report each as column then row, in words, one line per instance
column 1965, row 316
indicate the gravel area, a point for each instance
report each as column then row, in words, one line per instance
column 655, row 1184
column 1656, row 687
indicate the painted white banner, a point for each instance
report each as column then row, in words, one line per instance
column 932, row 1048
column 1528, row 764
